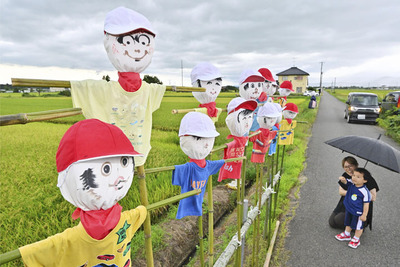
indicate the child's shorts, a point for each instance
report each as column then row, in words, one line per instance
column 353, row 221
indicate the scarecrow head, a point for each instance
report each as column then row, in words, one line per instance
column 207, row 76
column 269, row 80
column 240, row 116
column 197, row 134
column 279, row 110
column 290, row 111
column 128, row 40
column 286, row 88
column 267, row 115
column 95, row 165
column 251, row 84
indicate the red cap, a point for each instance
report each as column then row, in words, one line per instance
column 266, row 73
column 287, row 85
column 90, row 139
column 292, row 107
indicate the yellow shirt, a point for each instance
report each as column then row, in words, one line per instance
column 286, row 132
column 130, row 111
column 204, row 111
column 74, row 247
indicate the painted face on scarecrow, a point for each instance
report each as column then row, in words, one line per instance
column 289, row 114
column 239, row 122
column 251, row 90
column 98, row 183
column 266, row 122
column 269, row 89
column 197, row 135
column 284, row 92
column 130, row 52
column 213, row 88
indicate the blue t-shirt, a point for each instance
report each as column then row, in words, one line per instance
column 190, row 176
column 355, row 198
column 272, row 146
column 255, row 126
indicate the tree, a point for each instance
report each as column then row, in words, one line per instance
column 106, row 77
column 151, row 79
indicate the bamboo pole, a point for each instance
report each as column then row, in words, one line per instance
column 181, row 111
column 210, row 219
column 266, row 221
column 259, row 208
column 239, row 220
column 271, row 245
column 22, row 82
column 200, row 224
column 147, row 223
column 255, row 226
column 23, row 118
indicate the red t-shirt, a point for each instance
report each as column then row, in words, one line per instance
column 261, row 144
column 235, row 149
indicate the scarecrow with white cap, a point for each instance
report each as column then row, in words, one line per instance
column 286, row 133
column 207, row 76
column 269, row 88
column 276, row 127
column 130, row 102
column 285, row 89
column 95, row 162
column 267, row 117
column 251, row 85
column 197, row 134
column 238, row 120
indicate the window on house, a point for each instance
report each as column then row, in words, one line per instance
column 284, row 78
column 299, row 78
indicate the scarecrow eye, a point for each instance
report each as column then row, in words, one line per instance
column 217, row 84
column 124, row 161
column 144, row 39
column 197, row 138
column 252, row 85
column 106, row 169
column 209, row 82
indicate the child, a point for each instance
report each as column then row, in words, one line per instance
column 356, row 202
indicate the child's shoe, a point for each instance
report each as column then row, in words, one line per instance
column 354, row 243
column 343, row 237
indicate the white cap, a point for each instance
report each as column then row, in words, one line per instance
column 255, row 76
column 239, row 102
column 268, row 110
column 278, row 107
column 197, row 124
column 123, row 20
column 204, row 72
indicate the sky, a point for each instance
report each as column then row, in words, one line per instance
column 358, row 41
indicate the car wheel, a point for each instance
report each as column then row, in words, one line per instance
column 345, row 116
column 348, row 119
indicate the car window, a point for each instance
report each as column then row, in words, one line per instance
column 365, row 100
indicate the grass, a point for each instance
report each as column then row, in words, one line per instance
column 32, row 207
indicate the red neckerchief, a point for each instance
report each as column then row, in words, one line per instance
column 130, row 81
column 99, row 223
column 264, row 132
column 199, row 162
column 241, row 140
column 289, row 121
column 212, row 111
column 277, row 125
column 263, row 97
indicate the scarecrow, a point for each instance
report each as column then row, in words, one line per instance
column 239, row 119
column 286, row 134
column 251, row 85
column 207, row 76
column 267, row 117
column 284, row 91
column 197, row 134
column 276, row 127
column 95, row 164
column 130, row 102
column 269, row 88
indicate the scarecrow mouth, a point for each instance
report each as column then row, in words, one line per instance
column 137, row 59
column 118, row 184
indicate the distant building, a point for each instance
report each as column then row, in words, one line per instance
column 58, row 89
column 297, row 77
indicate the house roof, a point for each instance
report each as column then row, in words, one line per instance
column 292, row 71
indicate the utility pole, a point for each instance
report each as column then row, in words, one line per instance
column 182, row 70
column 320, row 78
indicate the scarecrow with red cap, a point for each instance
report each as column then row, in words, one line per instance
column 197, row 134
column 284, row 91
column 269, row 86
column 239, row 120
column 207, row 76
column 267, row 117
column 286, row 132
column 95, row 164
column 130, row 102
column 276, row 127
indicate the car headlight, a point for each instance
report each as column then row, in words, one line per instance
column 351, row 108
column 377, row 110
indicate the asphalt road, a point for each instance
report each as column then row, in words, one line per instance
column 310, row 239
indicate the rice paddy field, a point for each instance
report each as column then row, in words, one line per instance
column 32, row 207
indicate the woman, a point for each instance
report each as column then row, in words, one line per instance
column 336, row 220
